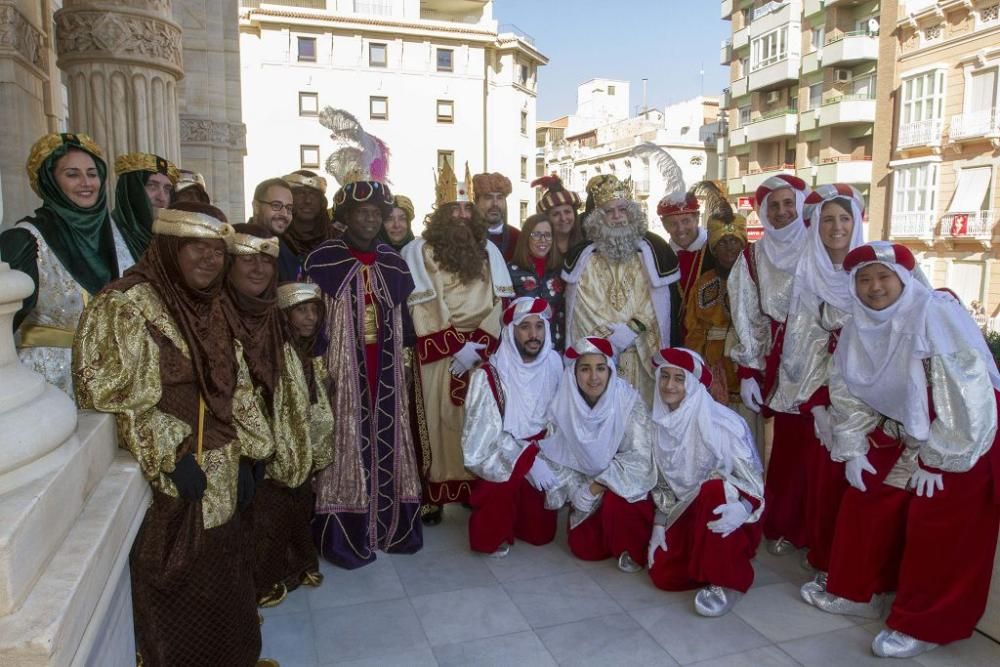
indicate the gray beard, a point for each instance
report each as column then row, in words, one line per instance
column 616, row 243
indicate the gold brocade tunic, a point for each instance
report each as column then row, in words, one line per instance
column 611, row 292
column 116, row 368
column 321, row 421
column 708, row 323
column 290, row 424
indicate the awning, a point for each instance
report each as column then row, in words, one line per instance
column 971, row 190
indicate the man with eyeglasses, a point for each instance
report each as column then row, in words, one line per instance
column 490, row 192
column 272, row 209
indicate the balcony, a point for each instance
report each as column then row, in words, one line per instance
column 975, row 126
column 973, row 225
column 847, row 109
column 738, row 137
column 726, row 52
column 811, row 62
column 920, row 133
column 774, row 74
column 738, row 88
column 727, row 9
column 914, row 225
column 741, row 38
column 771, row 16
column 809, row 120
column 780, row 124
column 850, row 48
column 734, row 186
column 810, row 7
column 845, row 169
column 754, row 178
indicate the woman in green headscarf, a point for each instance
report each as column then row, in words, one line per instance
column 145, row 183
column 67, row 248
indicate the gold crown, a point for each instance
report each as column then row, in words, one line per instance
column 448, row 189
column 300, row 180
column 606, row 187
column 247, row 244
column 189, row 224
column 292, row 294
column 147, row 162
column 44, row 147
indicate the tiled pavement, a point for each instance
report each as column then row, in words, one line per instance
column 540, row 606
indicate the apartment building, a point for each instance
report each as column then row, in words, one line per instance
column 436, row 80
column 801, row 98
column 938, row 151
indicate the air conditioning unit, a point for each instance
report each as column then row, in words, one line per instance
column 842, row 75
column 773, row 97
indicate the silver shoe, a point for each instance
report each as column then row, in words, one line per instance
column 715, row 600
column 895, row 644
column 780, row 547
column 833, row 604
column 626, row 564
column 805, row 564
column 810, row 588
column 501, row 551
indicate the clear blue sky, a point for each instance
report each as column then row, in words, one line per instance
column 666, row 41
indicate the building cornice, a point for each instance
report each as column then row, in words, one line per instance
column 948, row 44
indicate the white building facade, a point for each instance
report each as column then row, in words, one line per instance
column 436, row 80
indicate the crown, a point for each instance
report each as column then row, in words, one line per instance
column 448, row 189
column 606, row 187
column 44, row 147
column 147, row 162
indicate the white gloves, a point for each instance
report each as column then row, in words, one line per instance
column 822, row 425
column 658, row 540
column 731, row 517
column 622, row 337
column 853, row 469
column 750, row 393
column 541, row 476
column 583, row 500
column 466, row 358
column 925, row 481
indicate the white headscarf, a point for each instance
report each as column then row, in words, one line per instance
column 529, row 386
column 586, row 438
column 880, row 352
column 817, row 278
column 700, row 437
column 782, row 246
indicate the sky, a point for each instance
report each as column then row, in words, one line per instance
column 666, row 41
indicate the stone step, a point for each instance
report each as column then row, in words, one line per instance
column 75, row 594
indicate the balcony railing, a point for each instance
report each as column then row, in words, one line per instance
column 920, row 133
column 372, row 7
column 770, row 7
column 510, row 28
column 975, row 224
column 913, row 225
column 975, row 124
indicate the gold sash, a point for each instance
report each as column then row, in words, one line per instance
column 42, row 335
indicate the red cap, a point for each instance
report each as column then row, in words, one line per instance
column 776, row 183
column 590, row 345
column 525, row 306
column 677, row 203
column 882, row 252
column 686, row 359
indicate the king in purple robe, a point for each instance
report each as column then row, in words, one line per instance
column 369, row 498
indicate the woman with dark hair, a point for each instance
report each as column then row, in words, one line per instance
column 397, row 228
column 155, row 350
column 67, row 248
column 535, row 271
column 145, row 183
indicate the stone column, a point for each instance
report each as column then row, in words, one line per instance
column 24, row 64
column 212, row 133
column 122, row 60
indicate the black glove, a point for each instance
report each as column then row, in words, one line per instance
column 246, row 484
column 259, row 470
column 189, row 478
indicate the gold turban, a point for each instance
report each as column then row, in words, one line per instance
column 720, row 228
column 403, row 202
column 189, row 224
column 45, row 146
column 147, row 162
column 248, row 244
column 292, row 294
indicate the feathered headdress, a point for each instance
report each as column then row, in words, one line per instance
column 717, row 206
column 673, row 177
column 359, row 156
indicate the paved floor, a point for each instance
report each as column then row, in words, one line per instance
column 540, row 606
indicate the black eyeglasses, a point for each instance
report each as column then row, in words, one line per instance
column 276, row 205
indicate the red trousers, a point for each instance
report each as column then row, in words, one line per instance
column 785, row 482
column 505, row 511
column 696, row 556
column 826, row 486
column 936, row 553
column 616, row 527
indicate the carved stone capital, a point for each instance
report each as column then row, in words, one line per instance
column 20, row 39
column 143, row 38
column 195, row 130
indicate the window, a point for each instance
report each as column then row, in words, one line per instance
column 524, row 168
column 308, row 104
column 378, row 108
column 817, row 37
column 524, row 211
column 378, row 55
column 445, row 111
column 524, row 123
column 812, row 152
column 864, row 86
column 745, row 116
column 446, row 158
column 915, row 189
column 982, row 96
column 309, row 157
column 445, row 60
column 769, row 48
column 611, row 91
column 815, row 95
column 522, row 74
column 307, row 49
column 923, row 97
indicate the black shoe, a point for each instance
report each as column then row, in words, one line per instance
column 431, row 515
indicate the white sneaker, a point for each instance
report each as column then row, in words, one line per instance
column 715, row 601
column 895, row 644
column 626, row 564
column 501, row 551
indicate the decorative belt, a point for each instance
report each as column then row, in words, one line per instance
column 43, row 335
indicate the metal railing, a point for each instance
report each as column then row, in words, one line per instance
column 914, row 225
column 775, row 114
column 840, row 36
column 920, row 133
column 510, row 28
column 846, row 158
column 297, row 4
column 976, row 224
column 975, row 124
column 777, row 167
column 850, row 97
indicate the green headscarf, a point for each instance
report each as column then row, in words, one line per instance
column 133, row 212
column 80, row 237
